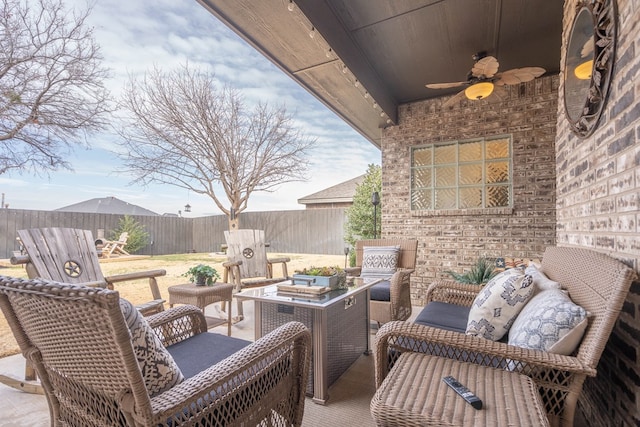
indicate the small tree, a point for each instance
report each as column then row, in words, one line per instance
column 360, row 218
column 51, row 84
column 187, row 132
column 138, row 237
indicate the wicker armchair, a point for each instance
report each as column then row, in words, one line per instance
column 595, row 281
column 79, row 342
column 398, row 306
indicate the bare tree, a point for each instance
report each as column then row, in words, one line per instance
column 188, row 132
column 51, row 84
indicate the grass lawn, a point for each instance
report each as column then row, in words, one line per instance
column 175, row 265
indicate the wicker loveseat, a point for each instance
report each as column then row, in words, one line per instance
column 86, row 354
column 595, row 281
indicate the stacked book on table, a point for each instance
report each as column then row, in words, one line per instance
column 293, row 288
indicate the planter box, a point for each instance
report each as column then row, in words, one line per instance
column 328, row 281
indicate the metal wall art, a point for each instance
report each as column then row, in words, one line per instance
column 589, row 64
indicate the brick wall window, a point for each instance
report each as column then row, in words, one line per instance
column 462, row 174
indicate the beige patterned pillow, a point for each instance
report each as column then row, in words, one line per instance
column 379, row 261
column 159, row 371
column 498, row 303
column 550, row 322
column 540, row 280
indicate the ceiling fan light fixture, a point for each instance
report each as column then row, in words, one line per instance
column 584, row 70
column 479, row 90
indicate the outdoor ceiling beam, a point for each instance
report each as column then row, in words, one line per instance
column 325, row 21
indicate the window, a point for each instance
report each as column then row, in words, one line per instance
column 462, row 175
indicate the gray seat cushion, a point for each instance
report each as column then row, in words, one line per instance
column 444, row 316
column 381, row 291
column 198, row 353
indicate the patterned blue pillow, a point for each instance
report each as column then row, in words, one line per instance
column 159, row 371
column 549, row 322
column 379, row 261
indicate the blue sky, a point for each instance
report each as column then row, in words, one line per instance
column 136, row 34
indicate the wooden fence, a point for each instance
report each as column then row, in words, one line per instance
column 312, row 231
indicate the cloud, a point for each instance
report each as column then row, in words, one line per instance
column 134, row 36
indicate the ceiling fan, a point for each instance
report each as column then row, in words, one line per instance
column 484, row 80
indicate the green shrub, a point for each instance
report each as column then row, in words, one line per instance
column 138, row 237
column 481, row 272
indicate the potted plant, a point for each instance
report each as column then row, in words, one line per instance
column 481, row 272
column 333, row 277
column 202, row 275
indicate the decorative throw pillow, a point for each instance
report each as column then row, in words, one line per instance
column 379, row 261
column 540, row 280
column 498, row 303
column 550, row 322
column 159, row 371
column 514, row 263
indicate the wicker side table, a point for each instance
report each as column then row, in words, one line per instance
column 202, row 296
column 413, row 394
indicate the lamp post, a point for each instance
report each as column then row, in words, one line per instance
column 375, row 199
column 346, row 255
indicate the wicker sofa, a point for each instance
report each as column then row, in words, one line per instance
column 100, row 365
column 595, row 281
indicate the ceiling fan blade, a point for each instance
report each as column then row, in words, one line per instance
column 587, row 49
column 487, row 66
column 445, row 85
column 518, row 75
column 455, row 98
column 499, row 94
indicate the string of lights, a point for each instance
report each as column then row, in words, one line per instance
column 331, row 55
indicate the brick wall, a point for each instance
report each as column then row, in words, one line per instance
column 598, row 181
column 453, row 240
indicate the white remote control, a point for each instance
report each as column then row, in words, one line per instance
column 467, row 395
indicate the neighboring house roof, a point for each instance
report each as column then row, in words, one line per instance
column 108, row 205
column 339, row 193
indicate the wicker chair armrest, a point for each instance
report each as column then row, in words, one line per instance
column 135, row 276
column 400, row 294
column 405, row 274
column 452, row 292
column 399, row 279
column 404, row 336
column 178, row 323
column 256, row 371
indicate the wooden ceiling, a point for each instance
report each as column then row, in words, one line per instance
column 363, row 58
